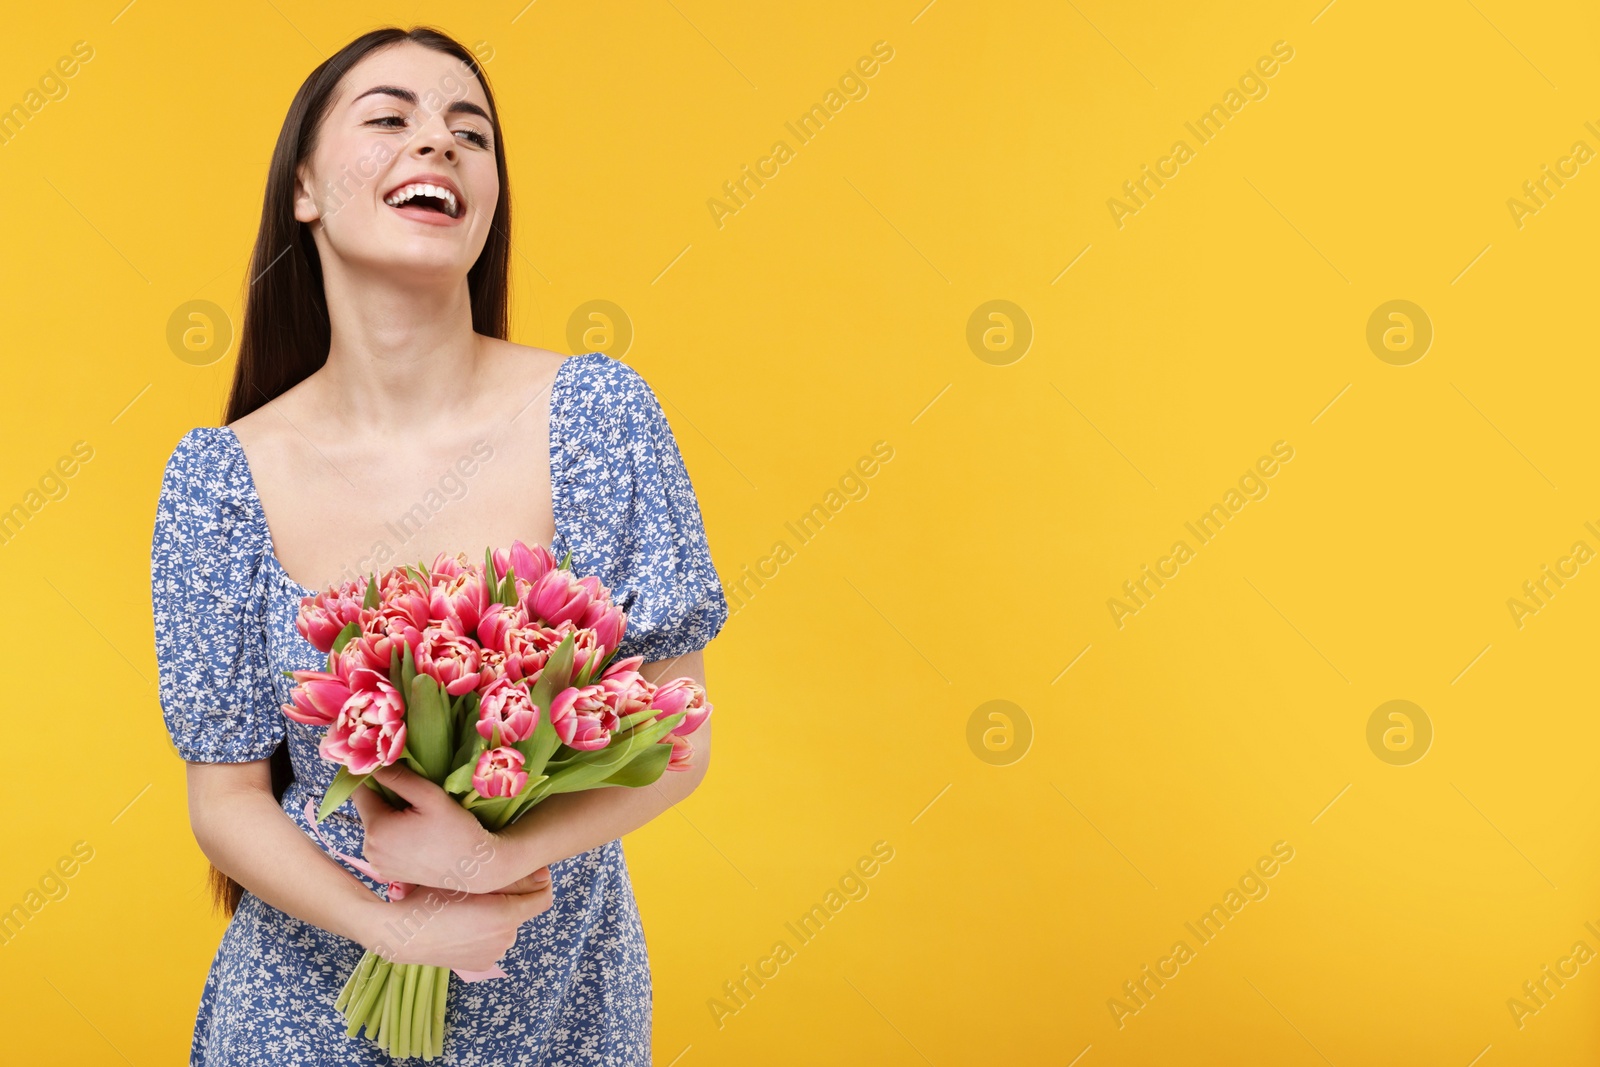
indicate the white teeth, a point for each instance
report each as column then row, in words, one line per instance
column 439, row 192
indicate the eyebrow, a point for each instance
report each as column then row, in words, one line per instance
column 456, row 106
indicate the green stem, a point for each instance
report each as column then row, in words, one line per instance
column 354, row 982
column 361, row 1014
column 391, row 1002
column 440, row 998
column 421, row 1011
column 408, row 999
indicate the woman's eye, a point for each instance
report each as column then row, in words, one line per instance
column 479, row 139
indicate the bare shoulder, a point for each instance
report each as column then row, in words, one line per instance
column 269, row 426
column 523, row 359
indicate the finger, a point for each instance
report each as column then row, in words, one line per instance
column 398, row 890
column 526, row 905
column 366, row 800
column 538, row 904
column 411, row 786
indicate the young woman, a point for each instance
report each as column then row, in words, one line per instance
column 378, row 417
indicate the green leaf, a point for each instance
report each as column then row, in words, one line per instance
column 408, row 668
column 650, row 733
column 553, row 679
column 344, row 783
column 351, row 630
column 371, row 599
column 460, row 779
column 643, row 769
column 566, row 561
column 428, row 727
column 473, row 744
column 394, row 668
column 487, row 809
column 630, row 721
column 588, row 770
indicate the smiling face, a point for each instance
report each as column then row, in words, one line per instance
column 403, row 173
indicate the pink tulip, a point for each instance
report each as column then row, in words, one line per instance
column 560, row 597
column 528, row 650
column 386, row 628
column 395, row 584
column 461, row 599
column 682, row 751
column 499, row 773
column 497, row 622
column 318, row 696
column 370, row 729
column 506, row 706
column 685, row 695
column 632, row 663
column 585, row 647
column 582, row 717
column 323, row 616
column 449, row 659
column 605, row 617
column 627, row 691
column 527, row 564
column 446, row 565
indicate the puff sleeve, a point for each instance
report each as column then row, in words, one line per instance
column 206, row 553
column 662, row 557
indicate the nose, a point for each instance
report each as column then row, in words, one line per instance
column 434, row 137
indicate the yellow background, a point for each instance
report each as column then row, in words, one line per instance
column 831, row 312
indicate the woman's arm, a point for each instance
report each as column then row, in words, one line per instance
column 244, row 832
column 241, row 828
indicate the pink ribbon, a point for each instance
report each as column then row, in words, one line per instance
column 389, row 887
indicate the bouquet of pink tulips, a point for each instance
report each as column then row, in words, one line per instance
column 493, row 682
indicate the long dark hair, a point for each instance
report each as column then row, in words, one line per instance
column 285, row 335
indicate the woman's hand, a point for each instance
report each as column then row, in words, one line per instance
column 435, row 842
column 463, row 931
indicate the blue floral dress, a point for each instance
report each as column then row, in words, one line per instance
column 578, row 987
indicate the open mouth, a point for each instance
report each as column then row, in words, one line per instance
column 426, row 197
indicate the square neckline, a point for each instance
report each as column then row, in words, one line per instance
column 260, row 513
